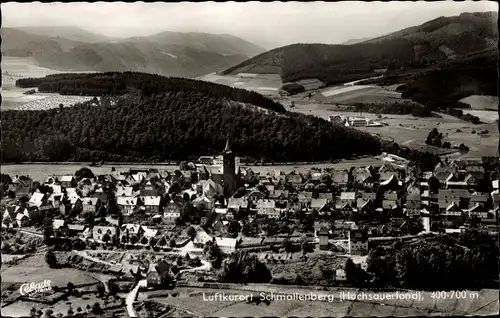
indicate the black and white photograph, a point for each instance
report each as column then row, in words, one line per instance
column 250, row 159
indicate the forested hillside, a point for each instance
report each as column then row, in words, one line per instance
column 446, row 83
column 469, row 262
column 115, row 83
column 156, row 118
column 442, row 39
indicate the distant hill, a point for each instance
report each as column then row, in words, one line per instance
column 167, row 53
column 355, row 41
column 439, row 40
column 67, row 32
column 153, row 118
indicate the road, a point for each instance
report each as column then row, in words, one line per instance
column 132, row 296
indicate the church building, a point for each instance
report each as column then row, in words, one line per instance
column 228, row 175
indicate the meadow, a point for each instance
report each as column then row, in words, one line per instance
column 14, row 68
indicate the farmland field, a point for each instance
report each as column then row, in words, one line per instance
column 14, row 68
column 41, row 171
column 411, row 131
column 352, row 94
column 34, row 269
column 482, row 102
column 266, row 84
column 486, row 116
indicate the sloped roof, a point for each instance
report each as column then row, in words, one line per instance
column 151, row 200
column 348, row 196
column 318, row 203
column 126, row 200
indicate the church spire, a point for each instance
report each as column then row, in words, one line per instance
column 228, row 146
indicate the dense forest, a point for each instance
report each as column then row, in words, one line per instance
column 168, row 119
column 467, row 262
column 397, row 108
column 443, row 85
column 438, row 40
column 116, row 83
column 331, row 64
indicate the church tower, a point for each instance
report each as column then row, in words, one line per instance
column 229, row 170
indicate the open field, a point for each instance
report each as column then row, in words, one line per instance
column 411, row 131
column 14, row 68
column 482, row 102
column 351, row 94
column 34, row 269
column 486, row 116
column 265, row 84
column 41, row 171
column 196, row 300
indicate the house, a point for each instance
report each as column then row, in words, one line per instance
column 172, row 211
column 76, row 229
column 124, row 192
column 471, row 180
column 364, row 205
column 446, row 197
column 327, row 196
column 103, row 234
column 268, row 208
column 85, row 186
column 127, row 204
column 479, row 211
column 60, row 227
column 21, row 186
column 22, row 219
column 279, row 195
column 56, row 188
column 151, row 188
column 237, row 204
column 320, row 205
column 341, row 177
column 209, row 188
column 153, row 278
column 363, row 176
column 254, row 196
column 133, row 229
column 204, row 203
column 478, row 198
column 226, row 245
column 305, row 197
column 369, row 196
column 453, row 210
column 201, row 238
column 67, row 181
column 294, row 178
column 348, row 197
column 90, row 204
column 386, row 172
column 413, row 204
column 37, row 199
column 151, row 204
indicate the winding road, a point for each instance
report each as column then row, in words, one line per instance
column 132, row 296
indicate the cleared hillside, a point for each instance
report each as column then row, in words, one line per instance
column 442, row 39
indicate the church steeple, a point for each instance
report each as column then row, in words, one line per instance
column 228, row 146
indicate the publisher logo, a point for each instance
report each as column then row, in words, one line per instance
column 32, row 288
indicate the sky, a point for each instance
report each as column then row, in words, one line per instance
column 266, row 24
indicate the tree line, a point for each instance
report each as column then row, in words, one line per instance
column 118, row 83
column 469, row 261
column 177, row 124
